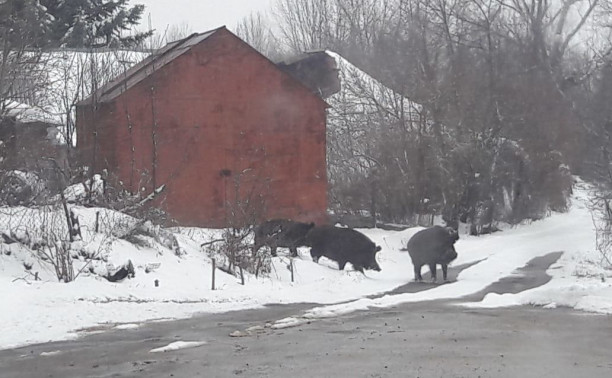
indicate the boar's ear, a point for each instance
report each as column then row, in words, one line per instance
column 377, row 249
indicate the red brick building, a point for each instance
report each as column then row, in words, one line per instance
column 209, row 117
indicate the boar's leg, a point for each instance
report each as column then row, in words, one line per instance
column 258, row 242
column 341, row 264
column 432, row 269
column 314, row 253
column 444, row 271
column 294, row 252
column 273, row 250
column 256, row 248
column 417, row 272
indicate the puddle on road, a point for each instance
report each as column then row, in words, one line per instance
column 426, row 284
column 532, row 275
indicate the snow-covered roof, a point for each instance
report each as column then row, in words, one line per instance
column 361, row 95
column 29, row 114
column 63, row 78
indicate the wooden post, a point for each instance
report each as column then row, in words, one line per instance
column 213, row 274
column 257, row 267
column 67, row 214
column 291, row 268
column 241, row 276
column 97, row 221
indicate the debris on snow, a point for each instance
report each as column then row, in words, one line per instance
column 178, row 345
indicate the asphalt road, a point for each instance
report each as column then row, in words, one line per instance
column 427, row 339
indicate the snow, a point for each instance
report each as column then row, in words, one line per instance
column 291, row 321
column 65, row 77
column 363, row 108
column 47, row 310
column 27, row 113
column 178, row 345
column 52, row 353
column 127, row 326
column 79, row 191
column 361, row 95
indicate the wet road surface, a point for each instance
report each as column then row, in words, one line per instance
column 426, row 339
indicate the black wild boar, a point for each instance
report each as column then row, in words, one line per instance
column 282, row 233
column 343, row 245
column 432, row 246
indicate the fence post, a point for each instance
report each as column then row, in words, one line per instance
column 213, row 274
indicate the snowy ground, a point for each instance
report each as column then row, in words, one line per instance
column 40, row 311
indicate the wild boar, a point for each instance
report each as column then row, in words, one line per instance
column 343, row 245
column 283, row 233
column 432, row 246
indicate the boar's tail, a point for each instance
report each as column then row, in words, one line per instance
column 404, row 249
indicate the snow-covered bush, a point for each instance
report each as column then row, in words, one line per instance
column 233, row 253
column 19, row 188
column 601, row 213
column 143, row 231
column 244, row 208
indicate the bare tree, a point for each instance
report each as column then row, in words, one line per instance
column 21, row 32
column 256, row 31
column 482, row 71
column 306, row 24
column 161, row 38
column 245, row 206
column 349, row 27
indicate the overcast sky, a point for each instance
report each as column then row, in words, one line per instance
column 200, row 15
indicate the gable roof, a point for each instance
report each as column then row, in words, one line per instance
column 316, row 69
column 146, row 67
column 134, row 75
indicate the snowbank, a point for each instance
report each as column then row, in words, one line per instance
column 40, row 311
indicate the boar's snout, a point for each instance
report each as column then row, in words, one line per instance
column 375, row 265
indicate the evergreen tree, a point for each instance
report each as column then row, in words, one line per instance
column 94, row 23
column 23, row 23
column 69, row 23
column 29, row 27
